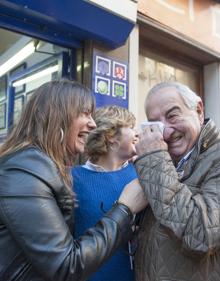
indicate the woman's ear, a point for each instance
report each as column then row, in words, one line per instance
column 115, row 146
column 113, row 143
column 110, row 140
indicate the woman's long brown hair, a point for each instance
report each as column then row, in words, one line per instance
column 52, row 108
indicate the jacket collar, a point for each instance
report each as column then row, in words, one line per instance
column 208, row 136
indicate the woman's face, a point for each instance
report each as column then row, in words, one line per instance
column 79, row 132
column 127, row 139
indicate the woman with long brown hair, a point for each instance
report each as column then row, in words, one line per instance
column 36, row 200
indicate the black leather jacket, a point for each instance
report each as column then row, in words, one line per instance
column 35, row 220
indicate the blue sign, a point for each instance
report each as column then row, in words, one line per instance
column 110, row 81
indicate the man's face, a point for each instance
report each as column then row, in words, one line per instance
column 182, row 124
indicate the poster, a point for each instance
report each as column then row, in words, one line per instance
column 110, row 81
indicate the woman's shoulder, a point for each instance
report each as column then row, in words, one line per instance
column 31, row 160
column 24, row 157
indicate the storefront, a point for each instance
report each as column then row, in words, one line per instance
column 46, row 40
column 97, row 43
column 177, row 41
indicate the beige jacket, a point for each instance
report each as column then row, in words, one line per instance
column 179, row 239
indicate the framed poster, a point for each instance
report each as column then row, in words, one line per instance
column 3, row 115
column 3, row 87
column 102, row 65
column 18, row 107
column 109, row 80
column 19, row 89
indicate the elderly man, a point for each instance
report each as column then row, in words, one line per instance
column 179, row 170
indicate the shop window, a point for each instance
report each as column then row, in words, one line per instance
column 2, row 116
column 14, row 71
column 154, row 69
column 3, row 97
column 18, row 107
column 3, row 88
column 29, row 79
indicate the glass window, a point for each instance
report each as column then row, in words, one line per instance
column 153, row 70
column 2, row 117
column 18, row 106
column 3, row 87
column 31, row 62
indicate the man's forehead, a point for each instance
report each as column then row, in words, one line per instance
column 165, row 94
column 165, row 99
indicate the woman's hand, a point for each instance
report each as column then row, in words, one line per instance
column 133, row 197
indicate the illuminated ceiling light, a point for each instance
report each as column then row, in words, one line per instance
column 37, row 75
column 17, row 58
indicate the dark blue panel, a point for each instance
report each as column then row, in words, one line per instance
column 64, row 22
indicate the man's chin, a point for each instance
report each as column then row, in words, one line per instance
column 176, row 156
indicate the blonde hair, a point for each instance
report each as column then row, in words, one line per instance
column 46, row 121
column 109, row 121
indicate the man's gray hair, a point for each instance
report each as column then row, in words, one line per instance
column 190, row 98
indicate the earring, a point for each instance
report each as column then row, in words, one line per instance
column 62, row 135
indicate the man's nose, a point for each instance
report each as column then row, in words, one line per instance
column 167, row 132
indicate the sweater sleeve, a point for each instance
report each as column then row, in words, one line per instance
column 193, row 217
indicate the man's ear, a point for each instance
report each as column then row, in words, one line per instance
column 200, row 111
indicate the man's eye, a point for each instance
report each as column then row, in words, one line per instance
column 172, row 116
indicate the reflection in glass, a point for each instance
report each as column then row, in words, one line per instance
column 28, row 95
column 153, row 71
column 18, row 106
column 15, row 71
column 3, row 87
column 2, row 116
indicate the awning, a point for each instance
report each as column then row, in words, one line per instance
column 65, row 22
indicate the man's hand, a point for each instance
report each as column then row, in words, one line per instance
column 150, row 139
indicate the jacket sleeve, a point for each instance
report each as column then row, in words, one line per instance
column 29, row 210
column 194, row 217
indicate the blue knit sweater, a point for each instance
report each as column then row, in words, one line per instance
column 95, row 189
